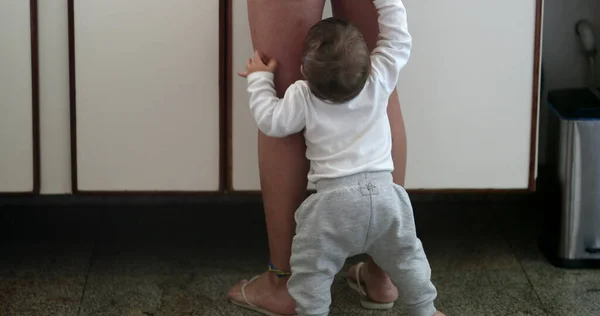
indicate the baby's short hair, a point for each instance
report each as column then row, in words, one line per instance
column 336, row 60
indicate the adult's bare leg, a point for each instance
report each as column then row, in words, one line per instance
column 278, row 29
column 363, row 14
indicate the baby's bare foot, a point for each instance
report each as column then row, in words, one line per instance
column 379, row 287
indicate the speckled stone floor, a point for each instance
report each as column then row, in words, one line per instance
column 181, row 260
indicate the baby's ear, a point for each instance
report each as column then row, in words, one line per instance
column 302, row 71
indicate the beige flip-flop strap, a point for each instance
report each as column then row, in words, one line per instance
column 243, row 290
column 358, row 282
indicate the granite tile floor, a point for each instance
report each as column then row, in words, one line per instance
column 181, row 260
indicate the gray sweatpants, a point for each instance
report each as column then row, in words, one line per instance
column 362, row 213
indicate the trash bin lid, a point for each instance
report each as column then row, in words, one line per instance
column 574, row 104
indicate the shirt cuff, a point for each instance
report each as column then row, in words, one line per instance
column 264, row 74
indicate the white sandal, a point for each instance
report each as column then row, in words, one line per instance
column 250, row 306
column 364, row 299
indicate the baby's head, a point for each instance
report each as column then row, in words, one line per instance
column 336, row 61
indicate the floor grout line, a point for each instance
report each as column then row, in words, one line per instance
column 87, row 275
column 537, row 295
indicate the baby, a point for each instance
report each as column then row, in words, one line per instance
column 341, row 107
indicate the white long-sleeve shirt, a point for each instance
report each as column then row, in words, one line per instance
column 347, row 138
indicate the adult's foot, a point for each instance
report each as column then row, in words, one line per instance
column 268, row 292
column 378, row 285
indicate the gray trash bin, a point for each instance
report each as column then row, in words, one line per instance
column 575, row 240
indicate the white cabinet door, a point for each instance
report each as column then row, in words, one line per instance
column 244, row 133
column 244, row 153
column 466, row 95
column 147, row 95
column 55, row 147
column 16, row 102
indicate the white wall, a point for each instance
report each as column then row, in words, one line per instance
column 563, row 64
